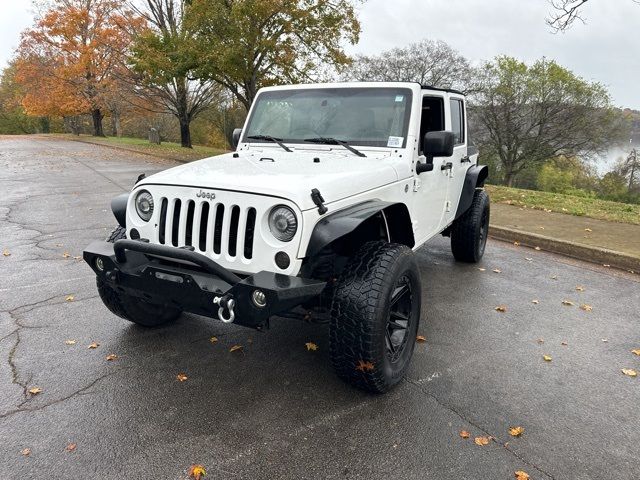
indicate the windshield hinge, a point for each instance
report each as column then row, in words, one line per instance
column 416, row 184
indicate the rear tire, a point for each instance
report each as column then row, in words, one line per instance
column 375, row 314
column 131, row 308
column 469, row 232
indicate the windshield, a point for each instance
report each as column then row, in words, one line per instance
column 377, row 117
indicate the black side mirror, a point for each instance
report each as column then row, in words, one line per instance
column 235, row 137
column 438, row 144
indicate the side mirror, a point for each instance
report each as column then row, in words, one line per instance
column 424, row 167
column 235, row 137
column 438, row 144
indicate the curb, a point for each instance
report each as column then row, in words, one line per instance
column 579, row 251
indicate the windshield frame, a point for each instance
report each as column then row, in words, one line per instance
column 406, row 91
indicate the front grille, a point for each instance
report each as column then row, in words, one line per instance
column 209, row 227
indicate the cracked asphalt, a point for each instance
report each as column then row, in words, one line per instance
column 276, row 410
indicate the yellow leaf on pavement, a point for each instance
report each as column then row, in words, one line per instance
column 71, row 447
column 235, row 348
column 481, row 441
column 541, row 340
column 66, row 255
column 94, row 345
column 537, row 248
column 482, row 269
column 111, row 357
column 636, row 352
column 69, row 298
column 6, row 252
column 580, row 288
column 182, row 377
column 464, row 434
column 26, row 452
column 568, row 303
column 70, row 342
column 501, row 308
column 421, row 339
column 35, row 390
column 364, row 366
column 516, row 243
column 630, row 372
column 213, row 339
column 547, row 358
column 197, row 472
column 516, row 431
column 586, row 308
column 497, row 270
column 520, row 475
column 588, row 230
column 311, row 346
column 535, row 301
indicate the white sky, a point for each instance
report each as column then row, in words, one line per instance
column 607, row 49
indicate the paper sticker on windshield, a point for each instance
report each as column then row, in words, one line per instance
column 399, row 98
column 395, row 142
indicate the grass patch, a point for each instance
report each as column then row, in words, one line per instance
column 572, row 205
column 166, row 149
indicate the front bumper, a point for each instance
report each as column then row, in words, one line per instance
column 195, row 283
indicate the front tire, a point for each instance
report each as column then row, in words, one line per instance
column 469, row 232
column 375, row 314
column 131, row 308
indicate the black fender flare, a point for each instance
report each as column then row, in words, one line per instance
column 343, row 222
column 475, row 177
column 119, row 208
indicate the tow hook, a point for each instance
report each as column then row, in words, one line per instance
column 225, row 303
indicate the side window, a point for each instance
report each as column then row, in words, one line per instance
column 432, row 119
column 457, row 121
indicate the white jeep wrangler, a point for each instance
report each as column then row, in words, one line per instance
column 315, row 216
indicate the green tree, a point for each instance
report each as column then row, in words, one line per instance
column 528, row 114
column 247, row 44
column 13, row 119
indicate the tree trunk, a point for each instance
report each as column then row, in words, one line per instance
column 45, row 124
column 185, row 133
column 117, row 124
column 509, row 178
column 97, row 116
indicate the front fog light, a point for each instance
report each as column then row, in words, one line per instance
column 144, row 205
column 259, row 298
column 283, row 223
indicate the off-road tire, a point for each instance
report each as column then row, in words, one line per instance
column 469, row 232
column 361, row 315
column 130, row 308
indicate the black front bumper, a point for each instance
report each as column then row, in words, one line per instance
column 195, row 283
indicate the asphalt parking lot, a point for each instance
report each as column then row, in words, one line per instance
column 274, row 409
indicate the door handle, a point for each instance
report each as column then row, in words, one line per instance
column 446, row 166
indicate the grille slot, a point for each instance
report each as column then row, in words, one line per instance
column 212, row 228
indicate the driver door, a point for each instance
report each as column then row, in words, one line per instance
column 430, row 188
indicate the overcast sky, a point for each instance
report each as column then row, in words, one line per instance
column 607, row 49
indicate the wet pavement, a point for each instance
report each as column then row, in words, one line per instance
column 274, row 409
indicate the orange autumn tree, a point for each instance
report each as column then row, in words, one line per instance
column 67, row 62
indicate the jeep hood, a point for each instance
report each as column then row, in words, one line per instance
column 283, row 174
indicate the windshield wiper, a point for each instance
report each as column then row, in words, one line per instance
column 269, row 138
column 335, row 141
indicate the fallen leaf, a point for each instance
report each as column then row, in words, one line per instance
column 568, row 303
column 69, row 298
column 516, row 243
column 605, row 340
column 213, row 339
column 59, row 245
column 34, row 390
column 235, row 348
column 111, row 357
column 421, row 339
column 182, row 377
column 66, row 255
column 537, row 248
column 606, row 265
column 520, row 475
column 554, row 277
column 501, row 308
column 564, row 344
column 197, row 472
column 464, row 434
column 6, row 252
column 588, row 230
column 535, row 301
column 70, row 342
column 77, row 257
column 541, row 228
column 497, row 270
column 579, row 288
column 481, row 441
column 94, row 345
column 311, row 346
column 547, row 358
column 540, row 340
column 528, row 259
column 586, row 308
column 364, row 366
column 630, row 372
column 26, row 452
column 636, row 352
column 516, row 431
column 71, row 447
column 482, row 269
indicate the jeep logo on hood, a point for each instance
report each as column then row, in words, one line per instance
column 208, row 195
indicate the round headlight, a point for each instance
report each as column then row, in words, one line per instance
column 283, row 223
column 144, row 205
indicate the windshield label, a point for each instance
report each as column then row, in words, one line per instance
column 395, row 142
column 399, row 98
